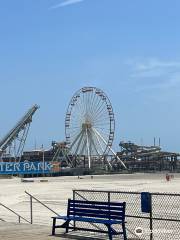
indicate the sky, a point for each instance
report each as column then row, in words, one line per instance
column 128, row 48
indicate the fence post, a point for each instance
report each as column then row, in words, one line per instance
column 109, row 200
column 109, row 197
column 73, row 194
column 151, row 219
column 19, row 219
column 146, row 207
column 74, row 223
column 31, row 210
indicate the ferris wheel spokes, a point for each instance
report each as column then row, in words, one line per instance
column 92, row 140
column 75, row 140
column 79, row 143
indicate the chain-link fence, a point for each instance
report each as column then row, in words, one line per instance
column 162, row 223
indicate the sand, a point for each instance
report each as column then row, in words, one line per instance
column 57, row 190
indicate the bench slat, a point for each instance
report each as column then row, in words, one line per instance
column 97, row 203
column 103, row 207
column 91, row 215
column 97, row 212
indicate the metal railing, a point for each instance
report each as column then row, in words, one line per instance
column 35, row 211
column 15, row 213
column 162, row 222
column 37, row 200
column 43, row 204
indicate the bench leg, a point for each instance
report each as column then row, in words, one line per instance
column 53, row 226
column 67, row 226
column 124, row 231
column 109, row 231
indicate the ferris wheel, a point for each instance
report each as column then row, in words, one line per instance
column 89, row 123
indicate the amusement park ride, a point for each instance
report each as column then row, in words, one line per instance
column 89, row 128
column 89, row 132
column 12, row 145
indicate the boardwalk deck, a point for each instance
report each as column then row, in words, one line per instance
column 13, row 231
column 10, row 231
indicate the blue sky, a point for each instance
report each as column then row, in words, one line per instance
column 128, row 48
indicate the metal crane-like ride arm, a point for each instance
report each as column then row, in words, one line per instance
column 14, row 134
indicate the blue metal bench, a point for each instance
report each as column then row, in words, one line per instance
column 106, row 213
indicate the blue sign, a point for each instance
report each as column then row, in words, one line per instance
column 27, row 167
column 146, row 202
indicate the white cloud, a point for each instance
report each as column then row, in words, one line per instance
column 153, row 67
column 155, row 63
column 154, row 74
column 66, row 3
column 172, row 82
